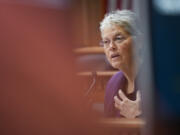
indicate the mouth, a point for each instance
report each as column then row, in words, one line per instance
column 114, row 56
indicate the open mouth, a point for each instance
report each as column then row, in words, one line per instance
column 114, row 56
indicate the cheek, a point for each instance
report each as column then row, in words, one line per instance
column 107, row 56
column 125, row 50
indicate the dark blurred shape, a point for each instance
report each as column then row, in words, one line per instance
column 165, row 20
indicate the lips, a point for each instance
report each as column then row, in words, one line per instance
column 114, row 56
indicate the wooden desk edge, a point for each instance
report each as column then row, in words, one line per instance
column 122, row 123
column 99, row 73
column 89, row 50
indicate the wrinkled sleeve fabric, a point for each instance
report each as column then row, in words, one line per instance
column 114, row 84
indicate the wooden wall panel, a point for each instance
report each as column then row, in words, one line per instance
column 87, row 17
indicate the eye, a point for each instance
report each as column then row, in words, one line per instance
column 105, row 41
column 119, row 39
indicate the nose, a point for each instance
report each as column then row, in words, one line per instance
column 112, row 45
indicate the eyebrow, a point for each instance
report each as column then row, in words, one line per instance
column 118, row 34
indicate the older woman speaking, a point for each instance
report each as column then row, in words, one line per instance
column 118, row 31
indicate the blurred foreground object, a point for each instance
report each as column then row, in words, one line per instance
column 165, row 20
column 39, row 93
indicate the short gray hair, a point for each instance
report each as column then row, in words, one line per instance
column 124, row 18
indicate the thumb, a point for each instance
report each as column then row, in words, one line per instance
column 121, row 95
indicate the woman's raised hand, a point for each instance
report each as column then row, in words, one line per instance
column 128, row 108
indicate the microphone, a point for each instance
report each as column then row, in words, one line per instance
column 94, row 77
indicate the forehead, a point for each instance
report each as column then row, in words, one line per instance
column 113, row 30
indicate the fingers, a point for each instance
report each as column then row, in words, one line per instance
column 117, row 100
column 121, row 95
column 118, row 103
column 128, row 108
column 139, row 112
column 117, row 106
column 138, row 96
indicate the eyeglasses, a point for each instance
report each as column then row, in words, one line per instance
column 116, row 40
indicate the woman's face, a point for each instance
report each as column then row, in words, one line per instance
column 117, row 46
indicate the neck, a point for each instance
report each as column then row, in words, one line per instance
column 130, row 73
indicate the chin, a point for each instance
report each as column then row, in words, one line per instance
column 116, row 65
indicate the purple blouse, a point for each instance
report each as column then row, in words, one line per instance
column 118, row 81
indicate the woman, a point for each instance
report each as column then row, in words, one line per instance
column 118, row 31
